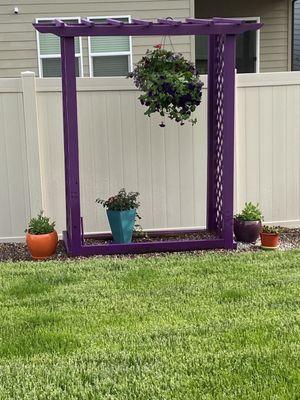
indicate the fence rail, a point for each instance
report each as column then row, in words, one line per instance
column 120, row 147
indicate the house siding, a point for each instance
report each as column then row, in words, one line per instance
column 18, row 46
column 274, row 36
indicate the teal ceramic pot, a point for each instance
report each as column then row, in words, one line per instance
column 121, row 225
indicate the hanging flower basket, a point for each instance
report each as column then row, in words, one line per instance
column 170, row 84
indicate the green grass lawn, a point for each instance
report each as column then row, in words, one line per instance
column 214, row 326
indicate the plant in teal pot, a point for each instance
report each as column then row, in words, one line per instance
column 121, row 212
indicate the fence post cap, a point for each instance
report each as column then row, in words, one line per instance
column 27, row 73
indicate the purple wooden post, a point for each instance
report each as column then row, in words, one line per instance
column 211, row 110
column 71, row 145
column 228, row 136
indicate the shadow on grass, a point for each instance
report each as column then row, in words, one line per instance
column 38, row 284
column 37, row 333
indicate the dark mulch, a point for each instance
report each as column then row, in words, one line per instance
column 142, row 237
column 290, row 239
column 19, row 252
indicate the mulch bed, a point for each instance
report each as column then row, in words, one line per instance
column 141, row 238
column 290, row 239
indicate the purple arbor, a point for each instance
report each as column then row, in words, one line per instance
column 221, row 107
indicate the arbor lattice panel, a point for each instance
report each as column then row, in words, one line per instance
column 219, row 131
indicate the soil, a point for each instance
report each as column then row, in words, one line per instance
column 290, row 239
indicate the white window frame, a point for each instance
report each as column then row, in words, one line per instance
column 41, row 56
column 257, row 20
column 114, row 53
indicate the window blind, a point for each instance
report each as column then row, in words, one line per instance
column 109, row 44
column 110, row 66
column 52, row 67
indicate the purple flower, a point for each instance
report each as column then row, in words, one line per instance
column 185, row 99
column 168, row 88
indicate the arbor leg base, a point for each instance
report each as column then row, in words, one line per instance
column 166, row 246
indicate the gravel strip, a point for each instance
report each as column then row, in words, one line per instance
column 290, row 239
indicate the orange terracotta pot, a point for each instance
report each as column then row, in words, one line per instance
column 269, row 240
column 42, row 246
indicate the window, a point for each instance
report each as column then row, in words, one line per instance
column 110, row 55
column 49, row 51
column 247, row 51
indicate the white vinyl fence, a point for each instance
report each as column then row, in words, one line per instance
column 120, row 147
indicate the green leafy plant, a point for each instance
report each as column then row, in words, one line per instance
column 124, row 201
column 171, row 85
column 251, row 212
column 121, row 202
column 40, row 225
column 272, row 230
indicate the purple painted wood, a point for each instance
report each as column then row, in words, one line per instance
column 145, row 247
column 71, row 144
column 211, row 110
column 116, row 22
column 169, row 21
column 87, row 22
column 218, row 141
column 66, row 144
column 160, row 29
column 198, row 21
column 141, row 22
column 221, row 91
column 59, row 23
column 152, row 247
column 229, row 125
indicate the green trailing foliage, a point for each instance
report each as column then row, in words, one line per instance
column 170, row 84
column 40, row 225
column 272, row 230
column 122, row 201
column 251, row 212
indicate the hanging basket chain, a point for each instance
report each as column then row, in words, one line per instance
column 164, row 38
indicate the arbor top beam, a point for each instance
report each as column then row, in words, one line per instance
column 139, row 27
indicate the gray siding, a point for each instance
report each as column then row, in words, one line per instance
column 18, row 47
column 274, row 35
